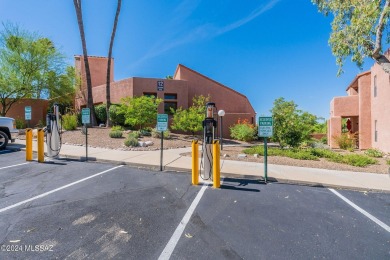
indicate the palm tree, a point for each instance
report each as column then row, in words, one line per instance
column 108, row 97
column 77, row 6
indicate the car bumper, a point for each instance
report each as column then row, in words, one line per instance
column 14, row 135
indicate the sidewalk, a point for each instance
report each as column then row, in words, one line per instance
column 172, row 160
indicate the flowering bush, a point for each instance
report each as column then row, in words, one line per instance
column 243, row 131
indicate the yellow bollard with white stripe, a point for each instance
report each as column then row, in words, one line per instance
column 216, row 165
column 195, row 163
column 29, row 137
column 41, row 149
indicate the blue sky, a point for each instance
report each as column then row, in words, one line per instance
column 264, row 49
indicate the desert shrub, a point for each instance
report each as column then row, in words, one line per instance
column 357, row 160
column 115, row 134
column 117, row 128
column 146, row 132
column 292, row 126
column 388, row 162
column 140, row 111
column 157, row 134
column 117, row 115
column 373, row 153
column 41, row 124
column 101, row 115
column 345, row 141
column 134, row 134
column 69, row 121
column 79, row 118
column 20, row 123
column 131, row 141
column 315, row 153
column 243, row 131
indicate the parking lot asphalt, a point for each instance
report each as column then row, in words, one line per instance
column 77, row 210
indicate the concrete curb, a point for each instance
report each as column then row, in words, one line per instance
column 223, row 174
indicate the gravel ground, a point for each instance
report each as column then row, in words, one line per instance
column 98, row 137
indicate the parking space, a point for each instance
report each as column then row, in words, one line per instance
column 76, row 210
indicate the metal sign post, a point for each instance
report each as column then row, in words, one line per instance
column 86, row 119
column 162, row 125
column 265, row 130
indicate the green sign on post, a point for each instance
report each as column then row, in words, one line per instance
column 265, row 126
column 265, row 130
column 162, row 125
column 86, row 116
column 86, row 119
column 27, row 113
column 162, row 122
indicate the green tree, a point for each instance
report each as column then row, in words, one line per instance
column 190, row 120
column 31, row 67
column 108, row 90
column 357, row 29
column 140, row 111
column 291, row 125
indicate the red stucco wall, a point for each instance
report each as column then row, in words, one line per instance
column 38, row 110
column 98, row 69
column 186, row 85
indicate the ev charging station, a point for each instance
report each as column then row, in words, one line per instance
column 209, row 127
column 210, row 160
column 53, row 139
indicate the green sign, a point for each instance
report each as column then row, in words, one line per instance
column 27, row 113
column 86, row 116
column 162, row 122
column 265, row 126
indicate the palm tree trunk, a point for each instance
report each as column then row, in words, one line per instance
column 77, row 5
column 108, row 94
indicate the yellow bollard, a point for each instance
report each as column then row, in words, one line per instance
column 41, row 153
column 195, row 163
column 29, row 154
column 216, row 165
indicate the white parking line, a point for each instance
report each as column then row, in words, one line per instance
column 58, row 189
column 168, row 250
column 365, row 213
column 13, row 165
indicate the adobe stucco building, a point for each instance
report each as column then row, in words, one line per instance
column 176, row 92
column 367, row 105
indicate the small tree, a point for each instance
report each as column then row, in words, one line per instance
column 140, row 111
column 190, row 120
column 32, row 67
column 291, row 126
column 358, row 30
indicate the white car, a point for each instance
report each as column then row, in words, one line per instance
column 8, row 131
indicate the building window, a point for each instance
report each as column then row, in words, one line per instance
column 170, row 96
column 170, row 102
column 375, row 88
column 376, row 132
column 168, row 106
column 148, row 94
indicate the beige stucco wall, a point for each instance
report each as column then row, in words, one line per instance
column 334, row 125
column 365, row 111
column 380, row 109
column 345, row 106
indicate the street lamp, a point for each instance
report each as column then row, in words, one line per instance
column 221, row 113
